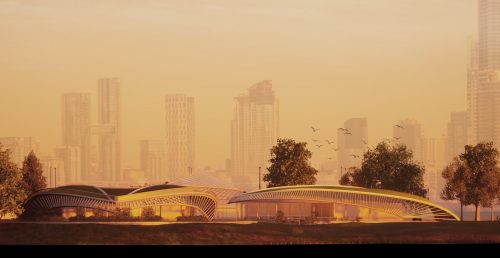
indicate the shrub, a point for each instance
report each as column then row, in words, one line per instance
column 148, row 212
column 280, row 217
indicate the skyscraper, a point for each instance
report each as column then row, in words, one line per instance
column 53, row 171
column 352, row 144
column 71, row 156
column 457, row 135
column 489, row 34
column 254, row 130
column 19, row 147
column 180, row 131
column 109, row 129
column 153, row 154
column 75, row 119
column 410, row 134
column 483, row 89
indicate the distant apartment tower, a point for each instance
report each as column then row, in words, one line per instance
column 180, row 133
column 109, row 129
column 352, row 143
column 254, row 130
column 19, row 147
column 483, row 89
column 153, row 160
column 53, row 171
column 410, row 134
column 457, row 135
column 433, row 153
column 489, row 34
column 71, row 157
column 76, row 132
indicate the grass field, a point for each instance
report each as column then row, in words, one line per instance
column 227, row 234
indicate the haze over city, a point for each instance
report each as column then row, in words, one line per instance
column 328, row 60
column 247, row 122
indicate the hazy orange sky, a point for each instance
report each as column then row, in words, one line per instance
column 329, row 60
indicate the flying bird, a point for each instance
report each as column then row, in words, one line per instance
column 397, row 138
column 329, row 142
column 330, row 158
column 314, row 129
column 364, row 141
column 347, row 132
column 343, row 129
column 400, row 126
column 314, row 140
column 355, row 156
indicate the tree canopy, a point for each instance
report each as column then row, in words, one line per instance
column 12, row 194
column 388, row 167
column 456, row 175
column 290, row 165
column 473, row 177
column 32, row 179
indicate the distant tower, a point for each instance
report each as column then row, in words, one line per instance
column 109, row 129
column 76, row 134
column 457, row 135
column 153, row 154
column 350, row 144
column 489, row 34
column 254, row 130
column 483, row 89
column 71, row 157
column 180, row 132
column 411, row 136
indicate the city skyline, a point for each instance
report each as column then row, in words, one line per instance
column 329, row 85
column 249, row 122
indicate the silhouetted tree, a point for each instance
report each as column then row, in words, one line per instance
column 456, row 174
column 388, row 167
column 290, row 165
column 33, row 179
column 147, row 212
column 482, row 186
column 347, row 178
column 483, row 183
column 12, row 195
column 122, row 213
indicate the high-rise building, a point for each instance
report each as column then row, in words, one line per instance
column 410, row 134
column 352, row 143
column 254, row 130
column 109, row 129
column 153, row 160
column 75, row 119
column 53, row 171
column 483, row 89
column 489, row 34
column 71, row 157
column 19, row 147
column 457, row 135
column 487, row 106
column 433, row 153
column 180, row 132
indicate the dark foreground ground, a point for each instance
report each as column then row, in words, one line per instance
column 209, row 234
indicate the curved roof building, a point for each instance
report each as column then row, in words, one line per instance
column 111, row 199
column 214, row 201
column 397, row 204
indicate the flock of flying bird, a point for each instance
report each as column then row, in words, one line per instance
column 347, row 132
